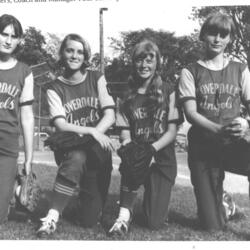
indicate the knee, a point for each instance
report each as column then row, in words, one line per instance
column 78, row 157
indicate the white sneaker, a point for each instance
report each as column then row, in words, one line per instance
column 120, row 227
column 47, row 228
column 48, row 224
column 229, row 205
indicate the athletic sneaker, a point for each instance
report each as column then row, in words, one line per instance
column 48, row 227
column 229, row 205
column 120, row 227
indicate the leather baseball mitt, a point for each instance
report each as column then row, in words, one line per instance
column 236, row 155
column 136, row 159
column 28, row 191
column 65, row 140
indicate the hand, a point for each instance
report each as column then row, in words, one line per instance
column 233, row 130
column 105, row 142
column 124, row 142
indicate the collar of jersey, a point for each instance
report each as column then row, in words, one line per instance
column 66, row 81
column 10, row 65
column 203, row 63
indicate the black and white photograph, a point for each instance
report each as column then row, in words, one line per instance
column 125, row 123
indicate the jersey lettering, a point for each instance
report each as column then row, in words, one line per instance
column 79, row 103
column 9, row 89
column 7, row 94
column 211, row 88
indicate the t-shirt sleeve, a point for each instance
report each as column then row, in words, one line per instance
column 56, row 109
column 106, row 100
column 245, row 85
column 186, row 86
column 27, row 94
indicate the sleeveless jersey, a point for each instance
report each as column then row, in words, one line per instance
column 80, row 101
column 11, row 84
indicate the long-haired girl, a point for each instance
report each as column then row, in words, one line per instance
column 149, row 113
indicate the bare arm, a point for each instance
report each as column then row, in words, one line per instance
column 62, row 125
column 27, row 121
column 193, row 117
column 170, row 135
column 106, row 102
column 125, row 137
column 229, row 130
column 57, row 111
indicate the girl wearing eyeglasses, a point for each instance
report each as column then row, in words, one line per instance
column 211, row 91
column 149, row 113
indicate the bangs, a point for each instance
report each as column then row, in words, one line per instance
column 144, row 50
column 218, row 25
column 6, row 20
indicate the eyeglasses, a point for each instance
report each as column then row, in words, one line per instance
column 148, row 59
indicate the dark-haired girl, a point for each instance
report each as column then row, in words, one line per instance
column 149, row 113
column 79, row 102
column 212, row 90
column 16, row 98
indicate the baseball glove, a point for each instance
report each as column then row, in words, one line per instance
column 136, row 159
column 236, row 155
column 28, row 191
column 65, row 140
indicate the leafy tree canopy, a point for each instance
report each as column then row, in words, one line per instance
column 176, row 52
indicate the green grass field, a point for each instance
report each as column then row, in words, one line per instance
column 182, row 224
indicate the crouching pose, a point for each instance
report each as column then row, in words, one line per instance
column 212, row 91
column 79, row 102
column 148, row 114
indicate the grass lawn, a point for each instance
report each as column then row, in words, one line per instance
column 182, row 224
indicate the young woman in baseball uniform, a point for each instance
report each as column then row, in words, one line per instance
column 79, row 102
column 211, row 91
column 149, row 113
column 16, row 98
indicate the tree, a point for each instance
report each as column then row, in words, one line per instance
column 176, row 52
column 117, row 71
column 52, row 44
column 240, row 48
column 95, row 62
column 32, row 50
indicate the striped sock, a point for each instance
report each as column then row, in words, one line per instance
column 61, row 196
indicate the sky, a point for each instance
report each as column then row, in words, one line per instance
column 82, row 16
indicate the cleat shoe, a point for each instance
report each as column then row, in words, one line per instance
column 229, row 205
column 48, row 227
column 120, row 227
